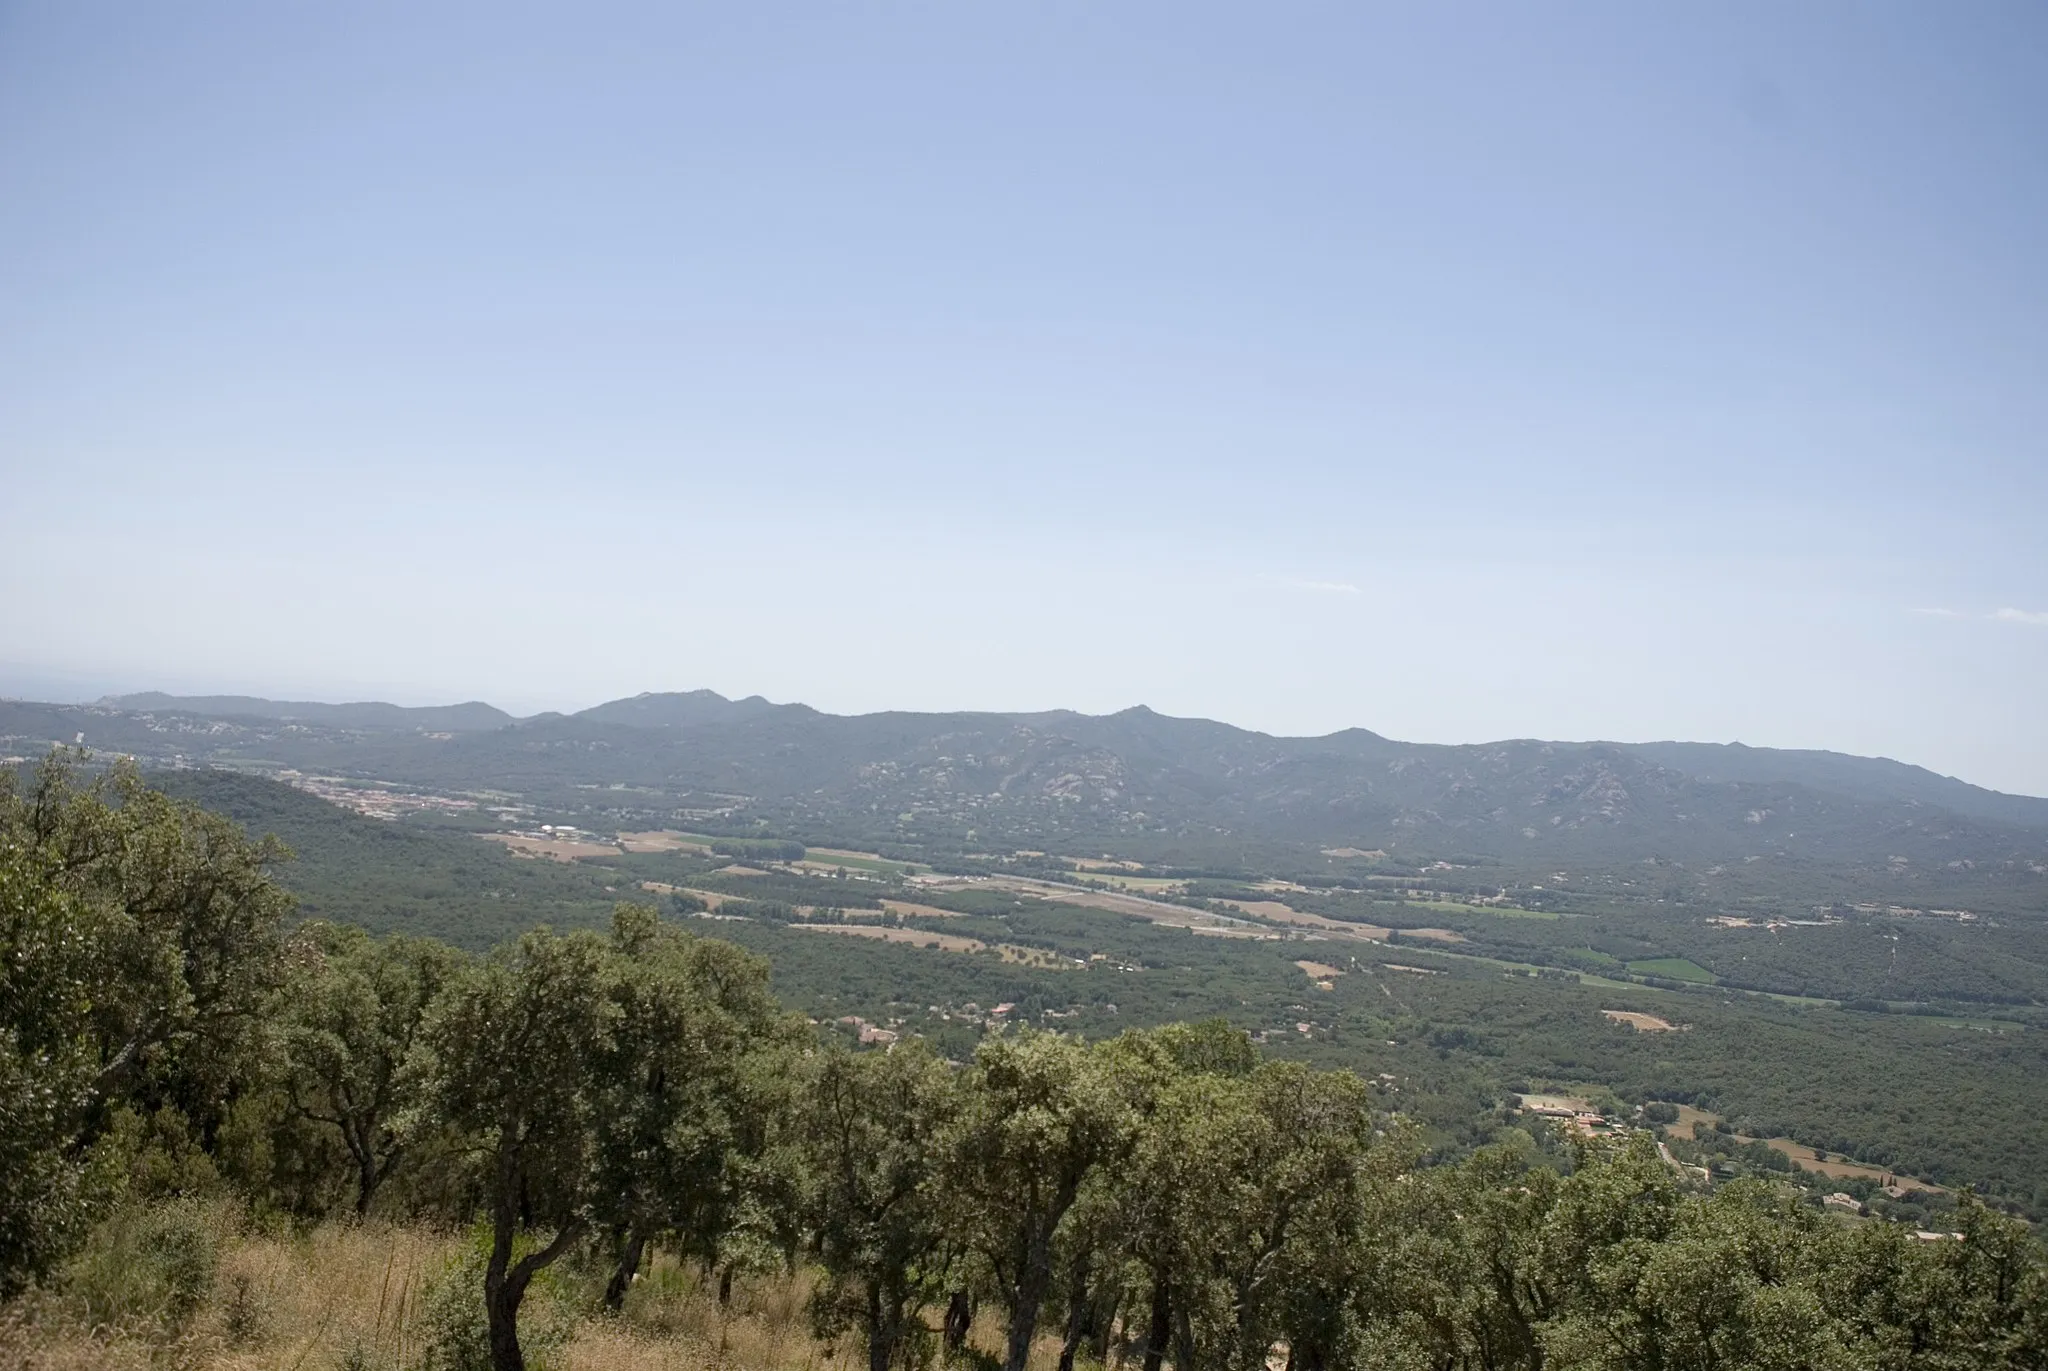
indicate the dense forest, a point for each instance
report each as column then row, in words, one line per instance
column 602, row 1106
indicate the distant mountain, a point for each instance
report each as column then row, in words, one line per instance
column 1138, row 782
column 1867, row 776
column 471, row 717
column 678, row 709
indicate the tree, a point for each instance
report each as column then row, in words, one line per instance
column 873, row 1127
column 679, row 1140
column 1041, row 1113
column 514, row 1045
column 138, row 949
column 48, row 965
column 351, row 1013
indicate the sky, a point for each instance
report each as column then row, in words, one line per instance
column 1454, row 371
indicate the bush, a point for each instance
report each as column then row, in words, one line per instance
column 149, row 1263
column 457, row 1333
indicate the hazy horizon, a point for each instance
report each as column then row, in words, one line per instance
column 1459, row 375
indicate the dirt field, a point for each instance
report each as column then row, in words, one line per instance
column 1412, row 970
column 1646, row 1023
column 665, row 840
column 1275, row 912
column 553, row 849
column 949, row 942
column 1351, row 852
column 1320, row 971
column 737, row 870
column 1178, row 916
column 1571, row 1102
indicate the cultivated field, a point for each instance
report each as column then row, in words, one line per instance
column 915, row 937
column 664, row 840
column 922, row 911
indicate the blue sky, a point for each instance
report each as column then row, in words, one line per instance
column 1453, row 371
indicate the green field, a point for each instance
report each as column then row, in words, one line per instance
column 1144, row 884
column 1673, row 969
column 1504, row 911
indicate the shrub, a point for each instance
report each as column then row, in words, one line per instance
column 149, row 1263
column 457, row 1333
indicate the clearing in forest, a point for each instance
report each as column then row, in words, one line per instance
column 922, row 911
column 916, row 937
column 1275, row 912
column 663, row 840
column 1645, row 1023
column 1673, row 969
column 553, row 849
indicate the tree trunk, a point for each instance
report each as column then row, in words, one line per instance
column 1183, row 1341
column 1105, row 1329
column 1162, row 1324
column 1034, row 1278
column 725, row 1287
column 959, row 1318
column 882, row 1332
column 632, row 1245
column 366, row 1183
column 1079, row 1306
column 505, row 1281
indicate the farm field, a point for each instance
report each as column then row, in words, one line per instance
column 1125, row 881
column 1673, row 969
column 552, row 849
column 912, row 937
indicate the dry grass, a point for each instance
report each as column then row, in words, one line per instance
column 276, row 1302
column 352, row 1295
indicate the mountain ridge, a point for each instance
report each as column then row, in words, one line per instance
column 1145, row 784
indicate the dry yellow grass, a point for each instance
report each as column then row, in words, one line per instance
column 352, row 1294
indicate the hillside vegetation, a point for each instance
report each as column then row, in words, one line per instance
column 1184, row 791
column 616, row 1148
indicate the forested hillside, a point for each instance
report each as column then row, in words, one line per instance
column 1923, row 1048
column 1161, row 789
column 194, row 1082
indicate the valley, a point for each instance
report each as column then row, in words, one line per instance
column 1843, row 995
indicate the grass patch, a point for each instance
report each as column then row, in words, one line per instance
column 1673, row 969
